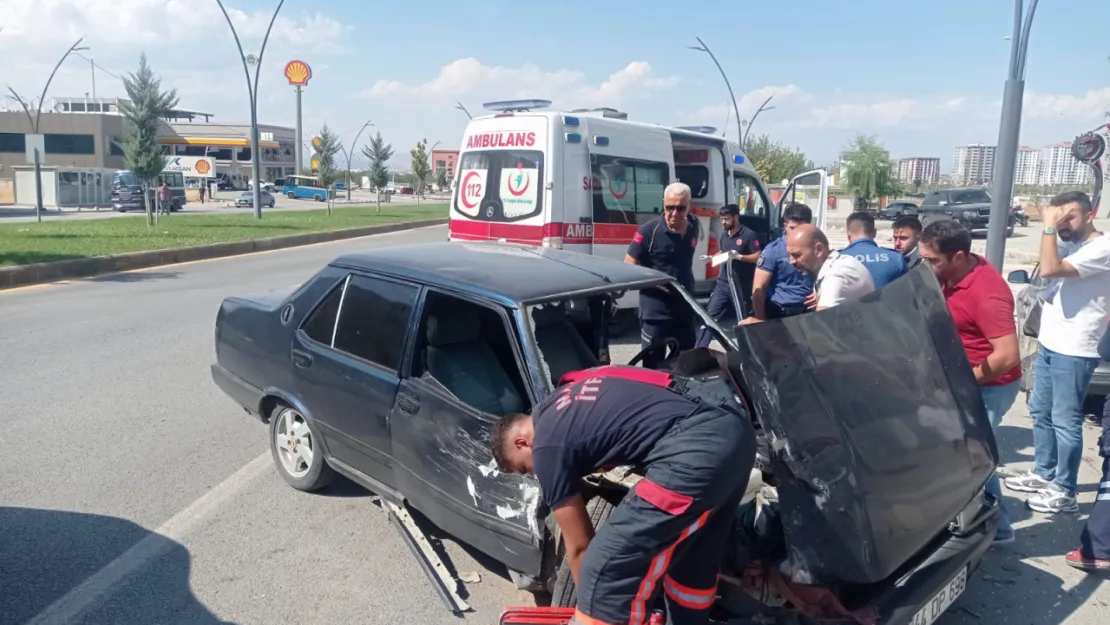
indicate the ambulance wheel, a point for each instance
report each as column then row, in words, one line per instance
column 563, row 593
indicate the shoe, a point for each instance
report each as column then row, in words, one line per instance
column 1026, row 483
column 1003, row 538
column 603, row 357
column 1053, row 500
column 1076, row 559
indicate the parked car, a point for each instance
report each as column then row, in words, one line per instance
column 970, row 207
column 247, row 199
column 387, row 369
column 894, row 210
column 1028, row 306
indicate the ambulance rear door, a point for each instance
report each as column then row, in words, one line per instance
column 812, row 189
column 573, row 210
column 700, row 162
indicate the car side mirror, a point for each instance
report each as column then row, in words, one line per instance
column 1019, row 276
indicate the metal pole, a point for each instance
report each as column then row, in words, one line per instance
column 462, row 108
column 751, row 122
column 38, row 187
column 350, row 153
column 300, row 138
column 735, row 108
column 92, row 70
column 1009, row 130
column 252, row 91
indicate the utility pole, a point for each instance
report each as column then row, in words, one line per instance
column 701, row 47
column 349, row 153
column 1009, row 130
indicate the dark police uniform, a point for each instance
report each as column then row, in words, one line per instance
column 1095, row 539
column 663, row 313
column 789, row 288
column 664, row 535
column 744, row 241
column 884, row 265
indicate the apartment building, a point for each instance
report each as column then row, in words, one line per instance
column 1059, row 167
column 919, row 170
column 1027, row 166
column 973, row 164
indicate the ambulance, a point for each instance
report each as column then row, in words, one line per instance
column 586, row 180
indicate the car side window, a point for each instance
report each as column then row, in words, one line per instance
column 320, row 325
column 374, row 317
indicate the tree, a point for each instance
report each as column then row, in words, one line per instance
column 441, row 179
column 421, row 170
column 326, row 151
column 870, row 171
column 378, row 152
column 143, row 114
column 775, row 162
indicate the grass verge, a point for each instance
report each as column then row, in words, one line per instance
column 54, row 240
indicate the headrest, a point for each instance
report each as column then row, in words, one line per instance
column 463, row 327
column 549, row 314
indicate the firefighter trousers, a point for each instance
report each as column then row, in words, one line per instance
column 668, row 535
column 1095, row 539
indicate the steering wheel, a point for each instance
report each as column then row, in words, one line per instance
column 670, row 344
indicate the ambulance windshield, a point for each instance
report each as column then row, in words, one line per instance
column 500, row 185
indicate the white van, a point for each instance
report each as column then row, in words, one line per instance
column 585, row 180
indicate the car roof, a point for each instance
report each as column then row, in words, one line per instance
column 509, row 274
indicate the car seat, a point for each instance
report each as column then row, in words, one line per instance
column 461, row 361
column 560, row 343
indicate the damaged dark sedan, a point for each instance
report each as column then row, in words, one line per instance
column 390, row 367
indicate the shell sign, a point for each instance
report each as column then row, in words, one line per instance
column 298, row 73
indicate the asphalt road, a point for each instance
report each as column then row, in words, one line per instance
column 135, row 492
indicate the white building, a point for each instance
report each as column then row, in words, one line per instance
column 919, row 170
column 1027, row 166
column 973, row 164
column 1059, row 167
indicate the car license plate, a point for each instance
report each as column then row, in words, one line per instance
column 942, row 600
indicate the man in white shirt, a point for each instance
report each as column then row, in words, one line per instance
column 1073, row 319
column 837, row 277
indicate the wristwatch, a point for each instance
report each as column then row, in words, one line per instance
column 1049, row 230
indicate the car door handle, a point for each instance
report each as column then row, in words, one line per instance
column 302, row 359
column 407, row 403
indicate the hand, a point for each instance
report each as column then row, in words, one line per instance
column 811, row 301
column 747, row 321
column 1051, row 216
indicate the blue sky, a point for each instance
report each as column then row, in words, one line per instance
column 922, row 80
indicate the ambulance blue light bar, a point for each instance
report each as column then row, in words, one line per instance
column 570, row 121
column 738, row 159
column 707, row 130
column 600, row 140
column 573, row 137
column 511, row 106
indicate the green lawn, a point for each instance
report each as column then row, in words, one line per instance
column 26, row 243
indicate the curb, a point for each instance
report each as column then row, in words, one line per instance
column 39, row 273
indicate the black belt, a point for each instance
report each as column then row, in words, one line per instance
column 775, row 311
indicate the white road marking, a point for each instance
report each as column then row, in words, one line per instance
column 70, row 607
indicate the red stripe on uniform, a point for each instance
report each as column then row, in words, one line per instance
column 636, row 374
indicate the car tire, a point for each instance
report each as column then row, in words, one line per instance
column 271, row 203
column 564, row 594
column 285, row 421
column 318, row 198
column 292, row 195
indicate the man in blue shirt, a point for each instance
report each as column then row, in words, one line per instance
column 885, row 265
column 743, row 244
column 779, row 289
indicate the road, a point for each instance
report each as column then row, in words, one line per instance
column 135, row 492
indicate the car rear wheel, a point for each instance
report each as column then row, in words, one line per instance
column 271, row 203
column 297, row 452
column 564, row 594
column 318, row 198
column 292, row 195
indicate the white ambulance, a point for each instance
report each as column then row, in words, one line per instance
column 585, row 180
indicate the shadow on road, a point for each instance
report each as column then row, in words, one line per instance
column 45, row 554
column 140, row 276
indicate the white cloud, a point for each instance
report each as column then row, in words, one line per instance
column 135, row 23
column 749, row 103
column 1091, row 106
column 469, row 80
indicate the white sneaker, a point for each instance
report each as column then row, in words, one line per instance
column 1053, row 500
column 1026, row 483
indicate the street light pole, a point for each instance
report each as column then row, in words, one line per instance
column 35, row 122
column 252, row 91
column 751, row 122
column 462, row 108
column 350, row 152
column 1009, row 130
column 736, row 109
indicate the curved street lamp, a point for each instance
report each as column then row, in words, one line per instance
column 252, row 91
column 462, row 108
column 1005, row 159
column 736, row 109
column 76, row 47
column 349, row 153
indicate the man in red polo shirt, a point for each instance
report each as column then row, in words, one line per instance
column 982, row 306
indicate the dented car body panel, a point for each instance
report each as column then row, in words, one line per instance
column 884, row 436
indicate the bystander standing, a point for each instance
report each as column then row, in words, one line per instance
column 837, row 277
column 907, row 231
column 1093, row 553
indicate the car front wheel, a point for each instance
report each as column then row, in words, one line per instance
column 297, row 452
column 564, row 594
column 271, row 203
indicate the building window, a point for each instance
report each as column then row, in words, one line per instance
column 13, row 142
column 70, row 144
column 115, row 146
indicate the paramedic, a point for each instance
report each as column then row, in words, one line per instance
column 667, row 244
column 779, row 289
column 884, row 264
column 742, row 245
column 666, row 534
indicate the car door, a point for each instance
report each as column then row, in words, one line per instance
column 442, row 424
column 347, row 356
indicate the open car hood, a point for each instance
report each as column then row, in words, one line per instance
column 878, row 431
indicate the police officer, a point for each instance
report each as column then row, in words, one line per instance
column 779, row 289
column 884, row 264
column 667, row 534
column 1093, row 554
column 667, row 244
column 741, row 243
